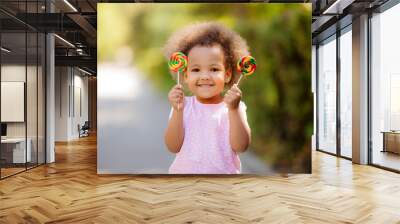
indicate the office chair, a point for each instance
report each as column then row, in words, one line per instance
column 84, row 130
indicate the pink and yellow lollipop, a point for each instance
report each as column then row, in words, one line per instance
column 246, row 66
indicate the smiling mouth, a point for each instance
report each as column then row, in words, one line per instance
column 204, row 85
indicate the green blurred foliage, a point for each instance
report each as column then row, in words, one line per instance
column 278, row 96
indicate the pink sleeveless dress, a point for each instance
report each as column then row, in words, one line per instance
column 206, row 148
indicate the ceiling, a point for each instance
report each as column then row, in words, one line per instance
column 73, row 20
column 76, row 22
column 330, row 15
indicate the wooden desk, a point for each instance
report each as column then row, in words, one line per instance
column 391, row 141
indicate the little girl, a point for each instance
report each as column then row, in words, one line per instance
column 209, row 129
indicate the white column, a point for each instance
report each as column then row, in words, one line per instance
column 360, row 90
column 50, row 92
column 50, row 110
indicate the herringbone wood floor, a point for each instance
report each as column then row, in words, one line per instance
column 70, row 191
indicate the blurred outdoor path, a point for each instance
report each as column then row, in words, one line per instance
column 151, row 110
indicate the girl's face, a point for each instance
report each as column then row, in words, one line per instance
column 206, row 74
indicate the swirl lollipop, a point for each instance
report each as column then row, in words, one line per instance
column 177, row 63
column 246, row 66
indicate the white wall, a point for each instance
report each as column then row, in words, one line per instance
column 11, row 73
column 61, row 103
column 33, row 126
column 80, row 83
column 69, row 82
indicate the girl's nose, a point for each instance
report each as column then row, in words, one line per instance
column 204, row 76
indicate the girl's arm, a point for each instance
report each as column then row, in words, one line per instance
column 239, row 130
column 174, row 134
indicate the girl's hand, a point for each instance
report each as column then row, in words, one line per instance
column 176, row 97
column 232, row 97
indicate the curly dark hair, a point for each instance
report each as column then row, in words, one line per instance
column 208, row 34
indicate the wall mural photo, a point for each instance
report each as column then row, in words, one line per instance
column 204, row 88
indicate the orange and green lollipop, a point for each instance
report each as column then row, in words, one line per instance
column 177, row 63
column 246, row 66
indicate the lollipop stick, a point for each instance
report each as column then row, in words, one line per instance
column 178, row 84
column 178, row 77
column 241, row 75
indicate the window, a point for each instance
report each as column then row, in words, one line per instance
column 385, row 88
column 345, row 92
column 327, row 95
column 22, row 88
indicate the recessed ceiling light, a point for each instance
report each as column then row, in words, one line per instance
column 86, row 72
column 64, row 40
column 337, row 7
column 70, row 5
column 5, row 49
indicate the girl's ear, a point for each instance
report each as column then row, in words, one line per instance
column 228, row 76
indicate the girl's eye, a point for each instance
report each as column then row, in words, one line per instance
column 195, row 70
column 214, row 69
